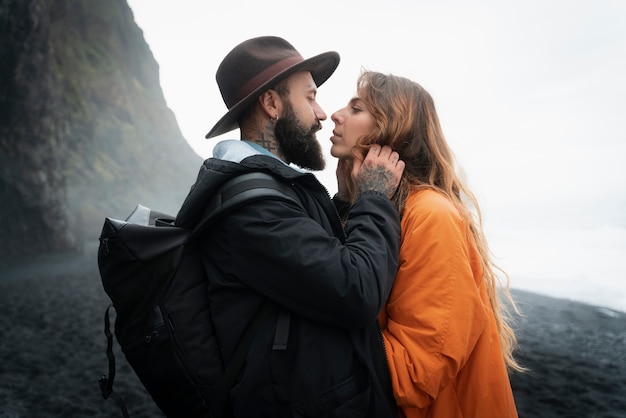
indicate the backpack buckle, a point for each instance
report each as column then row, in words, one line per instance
column 105, row 387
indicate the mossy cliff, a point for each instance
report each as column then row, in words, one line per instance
column 85, row 131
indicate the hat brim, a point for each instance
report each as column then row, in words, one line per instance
column 321, row 66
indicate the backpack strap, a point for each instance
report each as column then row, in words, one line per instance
column 240, row 191
column 233, row 368
column 233, row 194
column 106, row 383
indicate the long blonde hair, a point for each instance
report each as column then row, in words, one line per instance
column 407, row 121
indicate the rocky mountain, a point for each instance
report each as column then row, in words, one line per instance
column 85, row 131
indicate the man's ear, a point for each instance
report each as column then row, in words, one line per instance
column 271, row 103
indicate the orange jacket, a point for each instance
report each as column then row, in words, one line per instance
column 439, row 330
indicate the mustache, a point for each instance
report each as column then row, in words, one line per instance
column 316, row 126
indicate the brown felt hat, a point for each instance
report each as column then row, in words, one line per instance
column 258, row 64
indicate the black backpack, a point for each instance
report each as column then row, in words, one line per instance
column 152, row 271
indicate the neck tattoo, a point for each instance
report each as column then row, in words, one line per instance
column 268, row 144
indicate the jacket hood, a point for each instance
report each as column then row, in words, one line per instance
column 231, row 158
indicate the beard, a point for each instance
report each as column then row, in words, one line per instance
column 299, row 145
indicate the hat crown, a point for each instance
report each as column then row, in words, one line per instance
column 253, row 63
column 259, row 64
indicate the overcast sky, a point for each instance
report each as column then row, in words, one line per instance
column 531, row 95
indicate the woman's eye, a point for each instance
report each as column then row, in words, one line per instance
column 356, row 109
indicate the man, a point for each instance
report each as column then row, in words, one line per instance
column 320, row 353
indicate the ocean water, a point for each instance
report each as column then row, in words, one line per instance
column 585, row 264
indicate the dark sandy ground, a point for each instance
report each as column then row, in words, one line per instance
column 52, row 349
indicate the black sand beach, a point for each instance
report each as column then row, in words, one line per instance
column 52, row 349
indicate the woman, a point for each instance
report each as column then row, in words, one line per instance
column 448, row 342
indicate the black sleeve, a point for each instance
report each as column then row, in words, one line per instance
column 279, row 251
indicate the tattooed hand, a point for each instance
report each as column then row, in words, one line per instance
column 380, row 171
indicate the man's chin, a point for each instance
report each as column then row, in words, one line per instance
column 316, row 169
column 312, row 166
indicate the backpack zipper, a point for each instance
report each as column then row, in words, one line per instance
column 105, row 242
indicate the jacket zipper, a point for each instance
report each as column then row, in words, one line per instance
column 387, row 373
column 337, row 217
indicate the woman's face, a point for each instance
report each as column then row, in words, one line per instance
column 351, row 123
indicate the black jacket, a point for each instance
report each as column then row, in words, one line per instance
column 328, row 284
